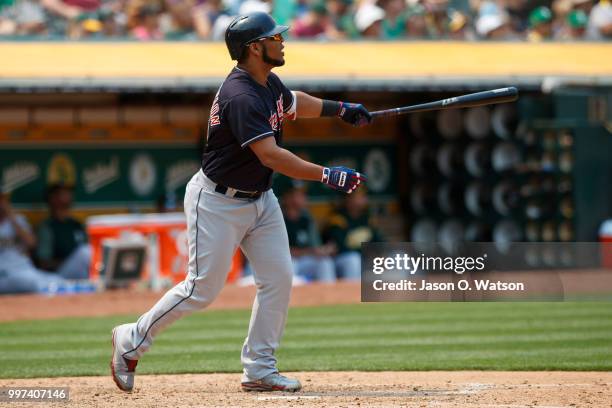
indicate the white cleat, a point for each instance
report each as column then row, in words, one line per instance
column 122, row 369
column 272, row 382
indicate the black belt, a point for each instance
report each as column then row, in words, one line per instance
column 238, row 194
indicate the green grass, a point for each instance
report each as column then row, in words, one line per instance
column 403, row 336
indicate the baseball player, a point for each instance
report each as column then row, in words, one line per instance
column 229, row 204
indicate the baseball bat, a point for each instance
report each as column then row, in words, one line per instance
column 493, row 96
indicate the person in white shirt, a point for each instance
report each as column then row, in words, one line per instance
column 17, row 272
column 600, row 21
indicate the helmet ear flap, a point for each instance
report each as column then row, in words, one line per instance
column 244, row 53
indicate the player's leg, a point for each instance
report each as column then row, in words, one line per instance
column 267, row 247
column 23, row 277
column 76, row 266
column 216, row 225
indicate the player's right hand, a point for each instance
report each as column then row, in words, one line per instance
column 342, row 178
column 355, row 114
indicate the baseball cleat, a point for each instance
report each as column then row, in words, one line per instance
column 272, row 382
column 122, row 369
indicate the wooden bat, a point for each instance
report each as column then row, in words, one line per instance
column 490, row 97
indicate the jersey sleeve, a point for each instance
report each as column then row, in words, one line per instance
column 289, row 98
column 248, row 119
column 291, row 111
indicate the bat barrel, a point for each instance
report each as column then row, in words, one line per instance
column 494, row 96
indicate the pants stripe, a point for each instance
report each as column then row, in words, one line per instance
column 192, row 282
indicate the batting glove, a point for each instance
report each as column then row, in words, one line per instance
column 342, row 178
column 355, row 114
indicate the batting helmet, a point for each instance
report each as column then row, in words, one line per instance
column 248, row 28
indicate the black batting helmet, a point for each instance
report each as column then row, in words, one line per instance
column 248, row 28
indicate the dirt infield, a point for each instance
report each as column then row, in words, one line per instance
column 348, row 389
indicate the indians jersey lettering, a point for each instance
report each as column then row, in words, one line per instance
column 243, row 112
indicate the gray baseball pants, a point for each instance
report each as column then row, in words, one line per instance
column 217, row 225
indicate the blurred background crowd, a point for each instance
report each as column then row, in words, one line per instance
column 57, row 254
column 146, row 20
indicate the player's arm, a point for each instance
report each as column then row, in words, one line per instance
column 283, row 161
column 60, row 8
column 21, row 227
column 308, row 106
column 24, row 233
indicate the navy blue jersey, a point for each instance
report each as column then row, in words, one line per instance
column 243, row 112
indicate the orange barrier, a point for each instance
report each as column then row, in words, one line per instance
column 166, row 235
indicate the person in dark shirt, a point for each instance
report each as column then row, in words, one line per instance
column 347, row 228
column 311, row 260
column 229, row 204
column 62, row 240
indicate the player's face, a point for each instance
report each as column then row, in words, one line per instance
column 62, row 199
column 273, row 50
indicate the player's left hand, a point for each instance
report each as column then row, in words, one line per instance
column 342, row 178
column 355, row 114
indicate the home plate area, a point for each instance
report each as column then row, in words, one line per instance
column 349, row 389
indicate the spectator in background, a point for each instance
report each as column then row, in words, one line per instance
column 17, row 272
column 311, row 260
column 85, row 26
column 315, row 23
column 585, row 5
column 342, row 18
column 252, row 6
column 394, row 22
column 221, row 24
column 574, row 27
column 518, row 14
column 368, row 20
column 560, row 10
column 233, row 6
column 146, row 23
column 61, row 14
column 495, row 27
column 346, row 229
column 416, row 27
column 206, row 15
column 331, row 19
column 7, row 25
column 540, row 24
column 62, row 240
column 458, row 26
column 600, row 21
column 111, row 24
column 6, row 4
column 482, row 8
column 69, row 9
column 84, row 5
column 285, row 12
column 23, row 18
column 179, row 20
column 436, row 19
